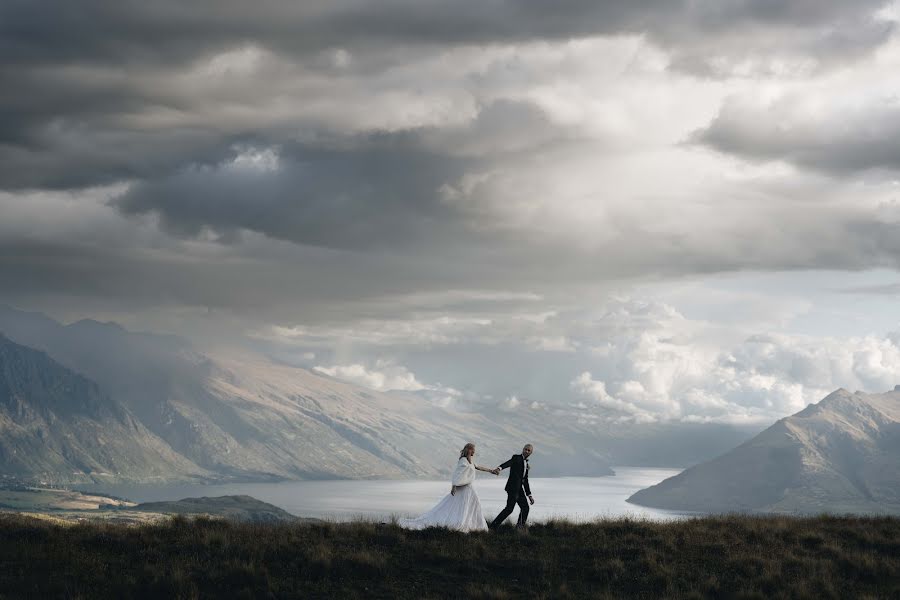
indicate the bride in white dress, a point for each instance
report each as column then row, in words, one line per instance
column 460, row 509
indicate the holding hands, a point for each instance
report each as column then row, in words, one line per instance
column 495, row 470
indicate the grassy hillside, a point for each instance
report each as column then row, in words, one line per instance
column 740, row 557
column 234, row 508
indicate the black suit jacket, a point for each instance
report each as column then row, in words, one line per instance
column 518, row 475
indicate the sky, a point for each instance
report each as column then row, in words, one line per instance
column 641, row 211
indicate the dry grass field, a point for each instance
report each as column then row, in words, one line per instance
column 712, row 557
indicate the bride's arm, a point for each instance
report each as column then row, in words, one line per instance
column 486, row 470
column 477, row 468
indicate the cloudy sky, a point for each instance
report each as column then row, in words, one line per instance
column 642, row 211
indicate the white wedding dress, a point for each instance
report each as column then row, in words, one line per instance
column 460, row 511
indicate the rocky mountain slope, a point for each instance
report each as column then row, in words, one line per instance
column 58, row 425
column 839, row 455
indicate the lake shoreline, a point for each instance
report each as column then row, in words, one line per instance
column 577, row 498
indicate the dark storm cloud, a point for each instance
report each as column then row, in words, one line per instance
column 77, row 75
column 267, row 281
column 378, row 191
column 35, row 32
column 372, row 191
column 837, row 139
column 168, row 30
column 103, row 92
column 259, row 282
column 80, row 270
column 81, row 157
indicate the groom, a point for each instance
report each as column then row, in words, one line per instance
column 517, row 488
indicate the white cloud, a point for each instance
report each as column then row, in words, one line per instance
column 625, row 359
column 444, row 396
column 255, row 159
column 585, row 385
column 648, row 376
column 510, row 403
column 384, row 377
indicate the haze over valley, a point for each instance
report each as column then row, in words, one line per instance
column 156, row 410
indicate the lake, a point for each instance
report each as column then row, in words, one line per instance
column 574, row 498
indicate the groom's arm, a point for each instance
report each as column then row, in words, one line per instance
column 506, row 464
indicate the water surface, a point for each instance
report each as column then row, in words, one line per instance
column 574, row 498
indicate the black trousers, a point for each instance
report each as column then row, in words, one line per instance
column 513, row 498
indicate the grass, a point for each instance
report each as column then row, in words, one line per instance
column 712, row 557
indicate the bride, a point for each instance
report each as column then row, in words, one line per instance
column 460, row 509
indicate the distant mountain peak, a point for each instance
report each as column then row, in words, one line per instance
column 838, row 394
column 841, row 454
column 836, row 397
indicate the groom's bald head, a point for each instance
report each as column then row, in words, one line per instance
column 527, row 450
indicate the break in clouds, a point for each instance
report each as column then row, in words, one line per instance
column 482, row 202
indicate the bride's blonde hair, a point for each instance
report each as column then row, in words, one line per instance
column 465, row 450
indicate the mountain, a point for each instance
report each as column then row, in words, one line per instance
column 839, row 455
column 58, row 426
column 201, row 409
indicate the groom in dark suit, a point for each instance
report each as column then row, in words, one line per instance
column 517, row 488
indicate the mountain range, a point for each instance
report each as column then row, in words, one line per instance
column 839, row 455
column 151, row 407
